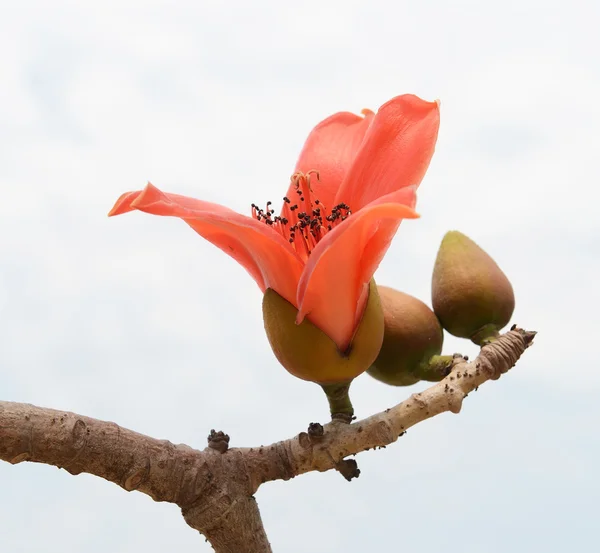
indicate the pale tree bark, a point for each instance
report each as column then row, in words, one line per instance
column 215, row 487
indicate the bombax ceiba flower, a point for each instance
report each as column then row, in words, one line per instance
column 354, row 182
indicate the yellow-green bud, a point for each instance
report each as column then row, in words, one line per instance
column 470, row 294
column 308, row 353
column 412, row 342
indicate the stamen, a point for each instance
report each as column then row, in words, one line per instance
column 302, row 224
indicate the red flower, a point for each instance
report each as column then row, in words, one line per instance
column 354, row 182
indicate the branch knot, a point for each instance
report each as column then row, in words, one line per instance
column 218, row 440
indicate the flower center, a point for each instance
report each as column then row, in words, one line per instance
column 304, row 220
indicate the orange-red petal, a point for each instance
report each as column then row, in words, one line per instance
column 330, row 149
column 395, row 152
column 262, row 251
column 153, row 194
column 332, row 288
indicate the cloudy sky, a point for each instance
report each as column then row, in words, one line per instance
column 135, row 319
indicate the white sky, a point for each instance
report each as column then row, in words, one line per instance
column 137, row 320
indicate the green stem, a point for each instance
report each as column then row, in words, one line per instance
column 340, row 405
column 485, row 335
column 436, row 369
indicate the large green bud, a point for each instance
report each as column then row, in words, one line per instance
column 308, row 353
column 470, row 294
column 412, row 342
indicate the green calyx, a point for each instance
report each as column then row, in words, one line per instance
column 471, row 295
column 308, row 353
column 412, row 342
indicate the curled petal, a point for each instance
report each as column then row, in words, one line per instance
column 159, row 201
column 333, row 287
column 123, row 204
column 330, row 149
column 262, row 251
column 395, row 152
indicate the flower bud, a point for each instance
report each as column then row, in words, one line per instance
column 470, row 294
column 308, row 353
column 412, row 342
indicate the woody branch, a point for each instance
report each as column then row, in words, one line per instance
column 325, row 448
column 215, row 487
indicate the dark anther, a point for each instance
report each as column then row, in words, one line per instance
column 312, row 221
column 218, row 440
column 513, row 327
